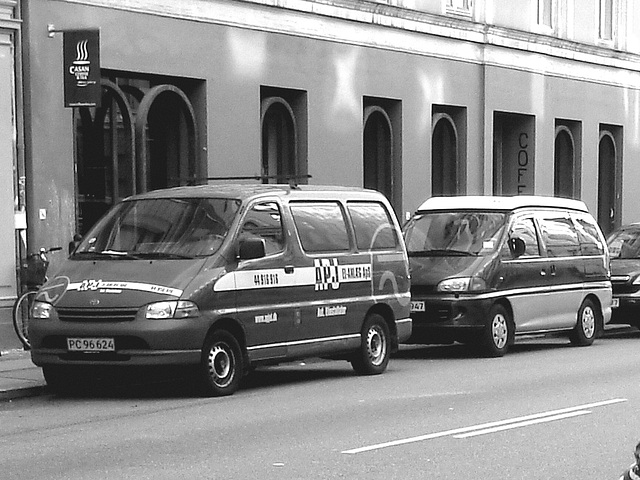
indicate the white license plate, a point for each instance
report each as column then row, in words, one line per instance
column 417, row 306
column 100, row 344
column 615, row 302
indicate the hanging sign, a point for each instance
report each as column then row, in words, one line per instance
column 81, row 59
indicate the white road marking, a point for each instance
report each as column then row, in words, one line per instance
column 493, row 426
column 523, row 424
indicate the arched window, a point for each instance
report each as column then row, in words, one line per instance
column 607, row 182
column 143, row 137
column 279, row 141
column 564, row 179
column 444, row 156
column 378, row 151
column 166, row 139
column 105, row 153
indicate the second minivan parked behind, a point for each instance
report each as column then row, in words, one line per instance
column 486, row 269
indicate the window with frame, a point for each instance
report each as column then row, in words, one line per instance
column 606, row 16
column 460, row 7
column 545, row 13
column 373, row 227
column 264, row 221
column 321, row 226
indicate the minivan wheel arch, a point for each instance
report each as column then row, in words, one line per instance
column 235, row 329
column 590, row 311
column 502, row 313
column 386, row 313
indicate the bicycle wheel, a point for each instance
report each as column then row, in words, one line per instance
column 21, row 310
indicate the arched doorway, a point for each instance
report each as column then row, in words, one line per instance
column 607, row 182
column 279, row 141
column 444, row 156
column 378, row 151
column 564, row 164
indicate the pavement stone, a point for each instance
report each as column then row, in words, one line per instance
column 19, row 377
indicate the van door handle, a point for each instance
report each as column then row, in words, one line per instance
column 288, row 269
column 553, row 270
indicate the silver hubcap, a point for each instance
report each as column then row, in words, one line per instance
column 376, row 346
column 221, row 365
column 588, row 322
column 499, row 330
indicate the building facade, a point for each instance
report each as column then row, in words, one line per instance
column 412, row 97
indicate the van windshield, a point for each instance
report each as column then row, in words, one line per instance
column 454, row 233
column 161, row 228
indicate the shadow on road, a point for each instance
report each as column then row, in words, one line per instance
column 524, row 344
column 181, row 383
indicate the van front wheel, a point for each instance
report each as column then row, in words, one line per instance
column 497, row 333
column 584, row 332
column 374, row 353
column 221, row 364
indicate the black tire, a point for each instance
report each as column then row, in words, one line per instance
column 498, row 332
column 586, row 327
column 221, row 365
column 21, row 311
column 375, row 347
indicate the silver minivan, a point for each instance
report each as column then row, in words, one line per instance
column 485, row 269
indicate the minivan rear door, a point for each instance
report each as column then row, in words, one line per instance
column 565, row 267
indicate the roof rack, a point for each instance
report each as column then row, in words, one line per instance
column 290, row 179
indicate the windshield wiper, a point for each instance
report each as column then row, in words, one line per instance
column 107, row 253
column 442, row 253
column 162, row 255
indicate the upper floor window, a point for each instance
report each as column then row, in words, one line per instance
column 606, row 16
column 459, row 7
column 545, row 13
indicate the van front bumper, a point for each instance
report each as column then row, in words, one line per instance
column 139, row 342
column 449, row 318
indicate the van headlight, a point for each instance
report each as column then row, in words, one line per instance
column 41, row 310
column 171, row 309
column 462, row 284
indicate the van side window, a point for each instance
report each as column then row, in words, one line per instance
column 560, row 237
column 590, row 242
column 321, row 226
column 525, row 230
column 264, row 221
column 373, row 227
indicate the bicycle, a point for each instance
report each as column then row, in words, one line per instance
column 33, row 274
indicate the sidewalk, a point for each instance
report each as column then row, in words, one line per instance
column 19, row 377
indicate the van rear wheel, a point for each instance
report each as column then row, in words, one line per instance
column 497, row 334
column 585, row 330
column 375, row 347
column 220, row 365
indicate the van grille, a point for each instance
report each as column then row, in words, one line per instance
column 97, row 314
column 422, row 289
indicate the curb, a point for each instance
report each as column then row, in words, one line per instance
column 12, row 394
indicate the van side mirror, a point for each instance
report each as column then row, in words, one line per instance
column 251, row 248
column 516, row 246
column 73, row 244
